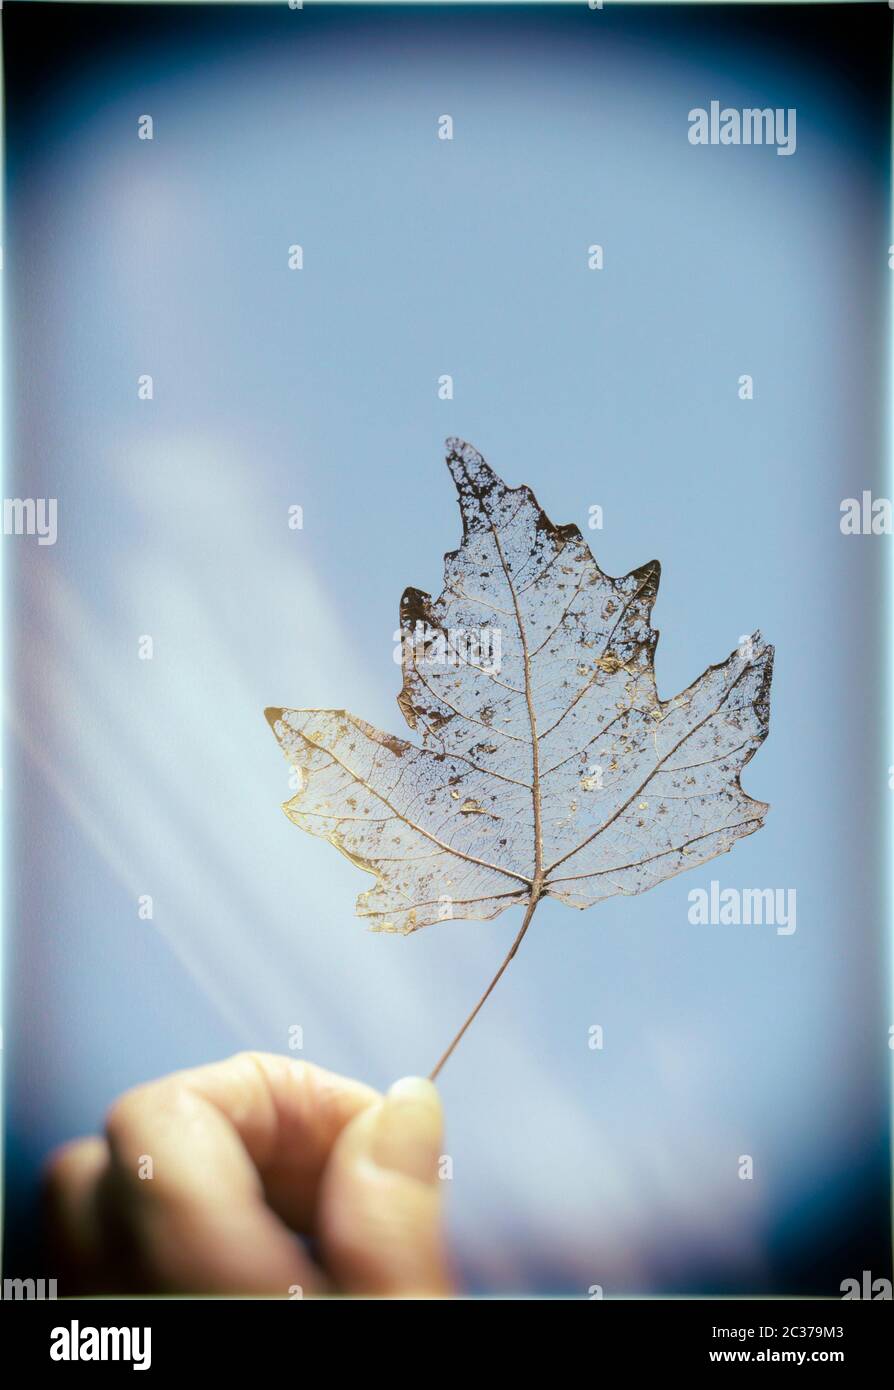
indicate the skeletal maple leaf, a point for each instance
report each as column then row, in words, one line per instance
column 547, row 765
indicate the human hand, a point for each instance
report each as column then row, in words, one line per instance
column 204, row 1177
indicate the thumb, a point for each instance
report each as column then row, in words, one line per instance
column 380, row 1199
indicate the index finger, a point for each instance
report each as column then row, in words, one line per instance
column 286, row 1115
column 235, row 1151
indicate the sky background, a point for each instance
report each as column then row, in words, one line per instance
column 272, row 388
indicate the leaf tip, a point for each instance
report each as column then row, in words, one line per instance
column 648, row 577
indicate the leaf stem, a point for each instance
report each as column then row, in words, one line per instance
column 477, row 1009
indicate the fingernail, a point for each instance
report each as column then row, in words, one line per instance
column 408, row 1129
column 415, row 1089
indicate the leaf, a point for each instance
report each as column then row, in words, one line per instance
column 551, row 769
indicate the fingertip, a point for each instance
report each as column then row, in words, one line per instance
column 417, row 1089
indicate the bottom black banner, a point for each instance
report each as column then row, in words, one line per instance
column 251, row 1336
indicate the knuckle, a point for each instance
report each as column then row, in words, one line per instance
column 130, row 1117
column 58, row 1168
